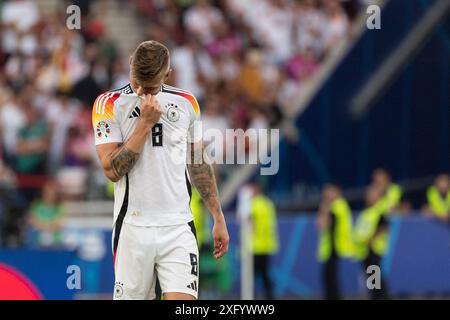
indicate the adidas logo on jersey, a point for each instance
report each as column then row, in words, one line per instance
column 136, row 113
column 193, row 286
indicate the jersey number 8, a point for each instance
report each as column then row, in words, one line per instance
column 157, row 135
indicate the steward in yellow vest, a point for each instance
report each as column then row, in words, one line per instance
column 392, row 197
column 371, row 236
column 335, row 237
column 339, row 239
column 265, row 233
column 391, row 192
column 438, row 198
column 264, row 236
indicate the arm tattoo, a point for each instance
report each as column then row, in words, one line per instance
column 202, row 175
column 123, row 160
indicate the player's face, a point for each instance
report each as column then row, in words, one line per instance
column 154, row 89
column 154, row 86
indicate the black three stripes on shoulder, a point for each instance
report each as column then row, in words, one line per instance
column 126, row 89
column 136, row 113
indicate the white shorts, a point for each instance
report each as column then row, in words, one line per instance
column 145, row 254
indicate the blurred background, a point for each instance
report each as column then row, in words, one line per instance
column 363, row 152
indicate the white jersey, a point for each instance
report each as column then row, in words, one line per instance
column 156, row 191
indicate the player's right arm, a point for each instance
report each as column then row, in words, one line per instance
column 118, row 158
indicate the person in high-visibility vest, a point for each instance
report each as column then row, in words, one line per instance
column 438, row 198
column 391, row 192
column 334, row 222
column 200, row 221
column 371, row 237
column 265, row 241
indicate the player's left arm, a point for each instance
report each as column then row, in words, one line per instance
column 203, row 178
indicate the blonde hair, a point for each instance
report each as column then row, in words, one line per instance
column 149, row 62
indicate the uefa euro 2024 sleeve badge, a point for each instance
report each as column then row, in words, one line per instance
column 173, row 114
column 103, row 129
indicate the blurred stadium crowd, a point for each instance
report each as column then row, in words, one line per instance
column 245, row 71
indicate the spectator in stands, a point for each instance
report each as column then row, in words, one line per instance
column 31, row 150
column 225, row 42
column 32, row 143
column 392, row 192
column 120, row 75
column 214, row 121
column 288, row 89
column 334, row 222
column 309, row 23
column 12, row 208
column 201, row 20
column 88, row 88
column 7, row 176
column 265, row 236
column 274, row 32
column 68, row 62
column 192, row 67
column 18, row 17
column 46, row 216
column 438, row 199
column 12, row 119
column 302, row 66
column 337, row 24
column 60, row 127
column 78, row 158
column 251, row 80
